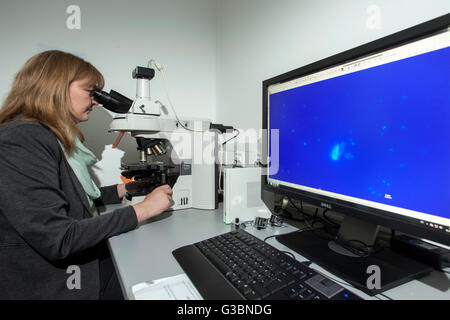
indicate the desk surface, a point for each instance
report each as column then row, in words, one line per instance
column 146, row 253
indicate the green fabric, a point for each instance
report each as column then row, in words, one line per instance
column 80, row 160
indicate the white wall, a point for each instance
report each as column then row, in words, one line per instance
column 116, row 36
column 260, row 39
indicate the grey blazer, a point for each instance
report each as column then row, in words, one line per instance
column 45, row 222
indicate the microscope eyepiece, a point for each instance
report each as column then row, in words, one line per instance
column 113, row 101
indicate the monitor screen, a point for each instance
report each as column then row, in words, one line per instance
column 372, row 132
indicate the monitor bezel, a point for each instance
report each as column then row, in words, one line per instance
column 377, row 216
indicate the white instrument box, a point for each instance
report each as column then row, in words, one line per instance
column 242, row 195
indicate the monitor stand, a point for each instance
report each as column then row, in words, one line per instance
column 318, row 247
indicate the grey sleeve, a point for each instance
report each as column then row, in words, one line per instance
column 35, row 205
column 109, row 195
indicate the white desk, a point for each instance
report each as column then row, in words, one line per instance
column 146, row 253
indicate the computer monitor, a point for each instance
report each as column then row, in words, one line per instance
column 366, row 133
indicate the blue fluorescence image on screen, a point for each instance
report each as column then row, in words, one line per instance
column 380, row 134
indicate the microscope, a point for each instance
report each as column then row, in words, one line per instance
column 180, row 153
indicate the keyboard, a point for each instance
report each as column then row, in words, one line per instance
column 237, row 265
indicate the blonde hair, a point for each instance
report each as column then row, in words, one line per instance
column 40, row 93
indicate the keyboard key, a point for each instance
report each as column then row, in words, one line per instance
column 252, row 295
column 309, row 292
column 299, row 296
column 291, row 292
column 294, row 270
column 232, row 276
column 245, row 289
column 278, row 296
column 276, row 285
column 261, row 291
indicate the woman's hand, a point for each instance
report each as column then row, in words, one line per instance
column 158, row 201
column 121, row 190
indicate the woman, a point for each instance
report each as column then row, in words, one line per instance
column 47, row 229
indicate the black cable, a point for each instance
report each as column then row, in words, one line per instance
column 358, row 241
column 265, row 239
column 315, row 213
column 289, row 253
column 324, row 219
column 328, row 219
column 299, row 230
column 381, row 294
column 393, row 233
column 234, row 137
column 283, row 213
column 314, row 218
column 316, row 221
column 371, row 249
column 290, row 217
column 359, row 252
column 301, row 211
column 307, row 223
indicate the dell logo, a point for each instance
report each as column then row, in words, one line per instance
column 325, row 205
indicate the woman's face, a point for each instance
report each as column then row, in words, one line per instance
column 81, row 100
